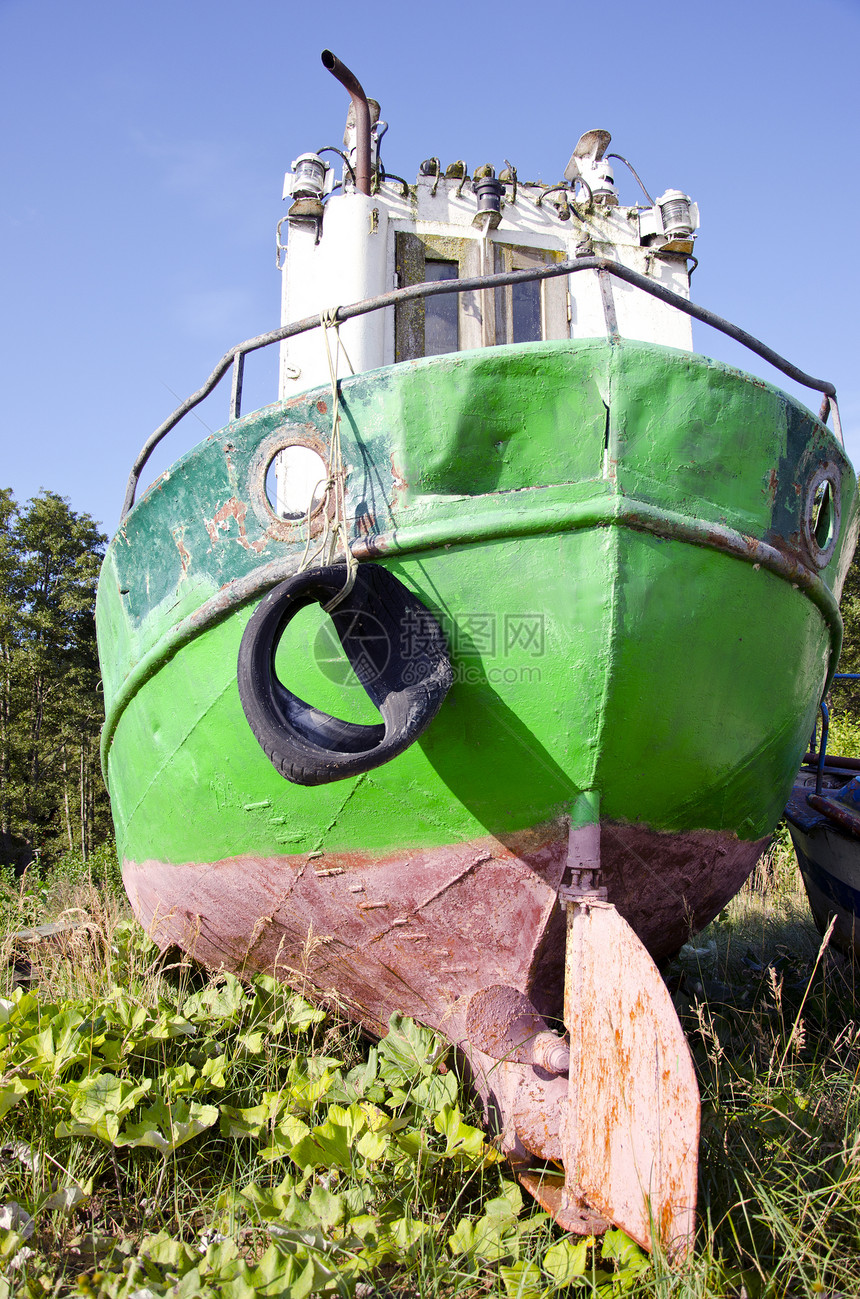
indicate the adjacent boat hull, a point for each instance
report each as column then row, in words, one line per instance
column 828, row 855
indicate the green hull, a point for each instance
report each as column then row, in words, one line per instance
column 612, row 538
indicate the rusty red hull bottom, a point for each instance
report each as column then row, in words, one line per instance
column 421, row 933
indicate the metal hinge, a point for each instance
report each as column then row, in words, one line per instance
column 585, row 888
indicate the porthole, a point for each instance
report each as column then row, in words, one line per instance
column 287, row 481
column 287, row 474
column 821, row 515
column 295, row 482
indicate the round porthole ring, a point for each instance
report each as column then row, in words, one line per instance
column 826, row 473
column 287, row 435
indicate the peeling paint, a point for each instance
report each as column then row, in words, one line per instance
column 220, row 522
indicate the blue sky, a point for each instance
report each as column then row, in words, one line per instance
column 144, row 146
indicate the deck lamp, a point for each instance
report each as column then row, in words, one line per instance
column 309, row 181
column 676, row 211
column 309, row 176
column 670, row 225
column 601, row 181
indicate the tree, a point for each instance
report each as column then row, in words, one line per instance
column 8, row 625
column 850, row 608
column 51, row 794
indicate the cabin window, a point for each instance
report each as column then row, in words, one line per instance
column 526, row 312
column 432, row 326
column 519, row 313
column 535, row 309
column 441, row 315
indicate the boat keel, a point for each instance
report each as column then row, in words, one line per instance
column 617, row 1105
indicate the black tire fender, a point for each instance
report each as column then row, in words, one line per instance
column 395, row 647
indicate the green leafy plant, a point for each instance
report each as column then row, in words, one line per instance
column 171, row 1133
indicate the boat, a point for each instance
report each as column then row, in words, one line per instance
column 445, row 684
column 823, row 816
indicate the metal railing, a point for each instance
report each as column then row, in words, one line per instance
column 603, row 265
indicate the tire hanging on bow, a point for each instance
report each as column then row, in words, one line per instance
column 395, row 647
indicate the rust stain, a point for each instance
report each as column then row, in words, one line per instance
column 399, row 485
column 184, row 557
column 220, row 522
column 322, row 407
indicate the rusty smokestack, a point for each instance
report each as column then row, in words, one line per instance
column 362, row 118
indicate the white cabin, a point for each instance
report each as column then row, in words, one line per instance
column 344, row 246
column 355, row 246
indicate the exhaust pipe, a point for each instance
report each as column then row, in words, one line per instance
column 362, row 118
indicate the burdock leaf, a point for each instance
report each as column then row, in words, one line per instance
column 68, row 1197
column 65, row 1041
column 408, row 1052
column 522, row 1281
column 227, row 1001
column 165, row 1128
column 12, row 1090
column 253, row 1120
column 618, row 1247
column 301, row 1015
column 99, row 1104
column 565, row 1261
column 463, row 1142
column 327, row 1146
column 289, row 1133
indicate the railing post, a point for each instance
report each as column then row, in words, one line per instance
column 236, row 390
column 822, row 749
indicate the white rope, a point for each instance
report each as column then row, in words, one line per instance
column 335, row 531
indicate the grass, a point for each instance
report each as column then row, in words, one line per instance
column 771, row 1011
column 270, row 1149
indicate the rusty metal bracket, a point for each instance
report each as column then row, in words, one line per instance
column 585, row 890
column 584, row 887
column 842, row 816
